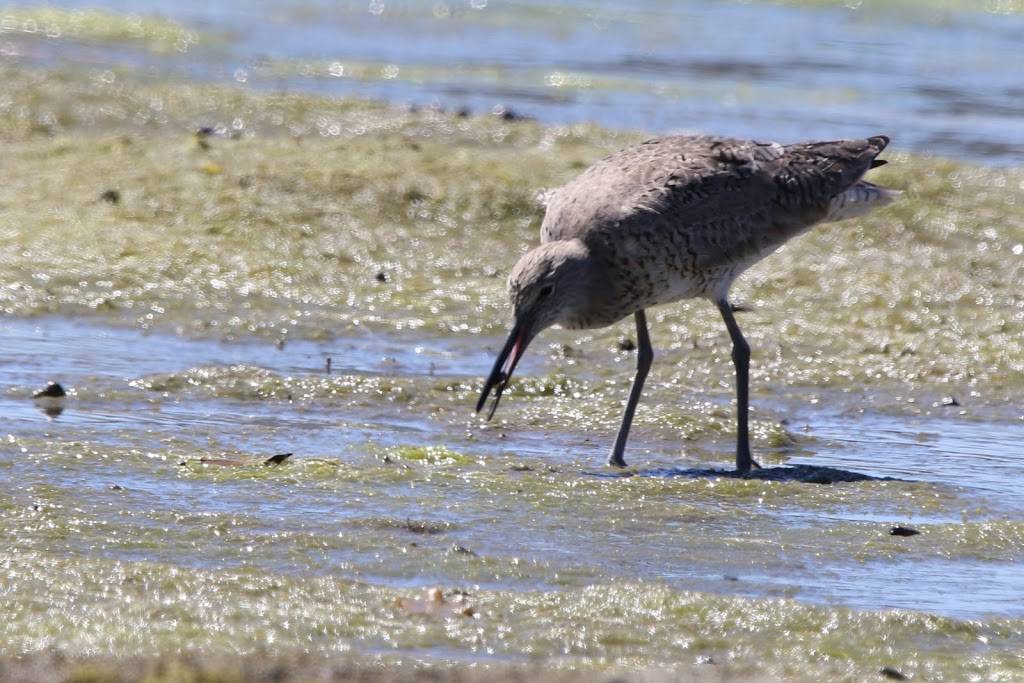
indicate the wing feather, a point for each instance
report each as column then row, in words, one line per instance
column 724, row 198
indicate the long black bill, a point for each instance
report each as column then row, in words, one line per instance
column 504, row 366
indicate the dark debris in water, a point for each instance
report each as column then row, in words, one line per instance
column 110, row 196
column 892, row 674
column 277, row 459
column 506, row 113
column 901, row 530
column 272, row 461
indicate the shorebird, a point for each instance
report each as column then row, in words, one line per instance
column 677, row 218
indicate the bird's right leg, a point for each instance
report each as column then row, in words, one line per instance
column 644, row 358
column 741, row 359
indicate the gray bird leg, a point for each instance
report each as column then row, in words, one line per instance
column 741, row 359
column 644, row 358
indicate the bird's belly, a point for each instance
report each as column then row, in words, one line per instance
column 678, row 286
column 669, row 287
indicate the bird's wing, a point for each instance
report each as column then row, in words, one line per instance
column 722, row 198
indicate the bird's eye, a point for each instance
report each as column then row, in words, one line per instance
column 545, row 291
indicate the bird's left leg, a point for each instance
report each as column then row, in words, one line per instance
column 644, row 358
column 741, row 359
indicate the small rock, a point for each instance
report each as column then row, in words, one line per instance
column 903, row 531
column 950, row 401
column 461, row 550
column 892, row 674
column 508, row 114
column 627, row 344
column 111, row 197
column 730, row 577
column 518, row 467
column 381, row 276
column 52, row 390
column 277, row 459
column 116, row 487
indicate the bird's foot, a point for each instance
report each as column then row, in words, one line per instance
column 745, row 463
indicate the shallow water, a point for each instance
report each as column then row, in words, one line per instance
column 938, row 77
column 118, row 539
column 535, row 517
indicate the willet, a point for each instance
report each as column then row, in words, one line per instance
column 677, row 218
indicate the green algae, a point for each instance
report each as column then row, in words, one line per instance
column 148, row 609
column 310, row 557
column 317, row 197
column 97, row 26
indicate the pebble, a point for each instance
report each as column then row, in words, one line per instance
column 52, row 390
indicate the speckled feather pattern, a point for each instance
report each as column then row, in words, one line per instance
column 682, row 216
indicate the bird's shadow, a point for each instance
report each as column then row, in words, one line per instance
column 805, row 474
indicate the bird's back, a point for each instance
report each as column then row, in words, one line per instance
column 680, row 216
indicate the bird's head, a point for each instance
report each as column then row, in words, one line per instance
column 550, row 285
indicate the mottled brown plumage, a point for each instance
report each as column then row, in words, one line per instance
column 676, row 218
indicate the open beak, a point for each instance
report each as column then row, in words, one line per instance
column 505, row 365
